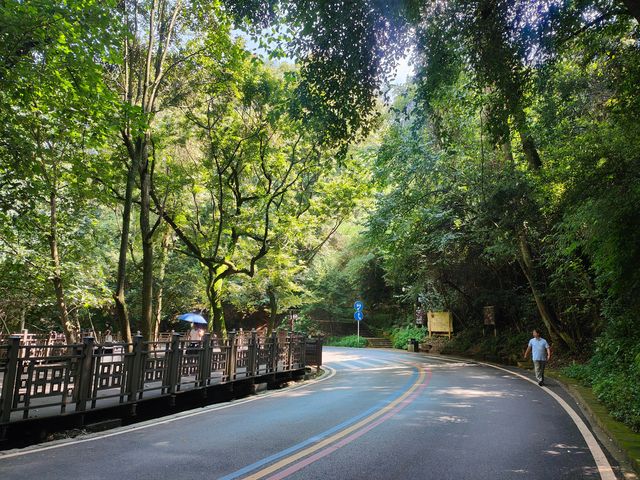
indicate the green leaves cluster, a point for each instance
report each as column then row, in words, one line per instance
column 509, row 177
column 155, row 110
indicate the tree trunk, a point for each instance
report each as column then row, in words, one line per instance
column 273, row 307
column 508, row 153
column 526, row 263
column 164, row 258
column 146, row 233
column 119, row 295
column 530, row 151
column 214, row 294
column 526, row 140
column 23, row 316
column 634, row 8
column 70, row 331
column 546, row 311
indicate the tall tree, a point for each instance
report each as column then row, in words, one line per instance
column 157, row 33
column 490, row 39
column 257, row 168
column 54, row 110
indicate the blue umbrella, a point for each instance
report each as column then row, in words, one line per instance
column 193, row 318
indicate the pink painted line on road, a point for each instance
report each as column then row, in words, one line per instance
column 345, row 441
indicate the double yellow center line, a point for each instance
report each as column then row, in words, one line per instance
column 354, row 430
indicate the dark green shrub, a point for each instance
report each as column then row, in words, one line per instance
column 463, row 342
column 350, row 341
column 400, row 336
column 507, row 346
column 615, row 370
column 578, row 371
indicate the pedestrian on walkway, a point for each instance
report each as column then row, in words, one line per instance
column 540, row 354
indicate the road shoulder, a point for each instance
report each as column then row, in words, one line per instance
column 620, row 440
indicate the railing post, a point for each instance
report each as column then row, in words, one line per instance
column 252, row 363
column 319, row 342
column 85, row 375
column 231, row 360
column 274, row 352
column 290, row 352
column 9, row 379
column 204, row 369
column 174, row 364
column 303, row 352
column 136, row 364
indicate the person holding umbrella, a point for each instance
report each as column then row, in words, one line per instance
column 193, row 334
column 193, row 319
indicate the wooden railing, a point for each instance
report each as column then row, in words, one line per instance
column 48, row 380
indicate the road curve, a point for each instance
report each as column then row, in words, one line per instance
column 376, row 414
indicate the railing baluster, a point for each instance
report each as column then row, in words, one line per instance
column 274, row 352
column 252, row 362
column 174, row 365
column 136, row 366
column 204, row 370
column 9, row 379
column 83, row 379
column 232, row 356
column 290, row 351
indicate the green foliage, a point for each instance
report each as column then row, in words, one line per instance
column 346, row 50
column 507, row 347
column 619, row 392
column 254, row 190
column 613, row 382
column 578, row 371
column 463, row 342
column 55, row 113
column 62, row 129
column 306, row 325
column 615, row 367
column 350, row 341
column 400, row 336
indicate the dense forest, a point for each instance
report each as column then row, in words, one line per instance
column 232, row 157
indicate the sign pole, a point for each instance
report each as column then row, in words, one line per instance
column 358, row 315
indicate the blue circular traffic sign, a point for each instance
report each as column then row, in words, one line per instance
column 358, row 306
column 358, row 315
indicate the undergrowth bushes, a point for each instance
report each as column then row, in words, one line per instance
column 400, row 336
column 614, row 371
column 349, row 341
column 506, row 347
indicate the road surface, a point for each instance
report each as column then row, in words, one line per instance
column 376, row 414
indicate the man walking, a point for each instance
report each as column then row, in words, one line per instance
column 540, row 354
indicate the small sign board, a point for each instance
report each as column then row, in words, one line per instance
column 358, row 306
column 358, row 315
column 489, row 315
column 440, row 323
column 419, row 316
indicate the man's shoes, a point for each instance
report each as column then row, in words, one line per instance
column 541, row 383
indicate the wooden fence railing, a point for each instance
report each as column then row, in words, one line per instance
column 48, row 380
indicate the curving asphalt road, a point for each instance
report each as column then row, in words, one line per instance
column 376, row 414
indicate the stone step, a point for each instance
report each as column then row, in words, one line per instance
column 378, row 342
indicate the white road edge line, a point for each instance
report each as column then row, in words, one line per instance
column 604, row 467
column 163, row 421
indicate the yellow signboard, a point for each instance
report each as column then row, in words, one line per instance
column 440, row 323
